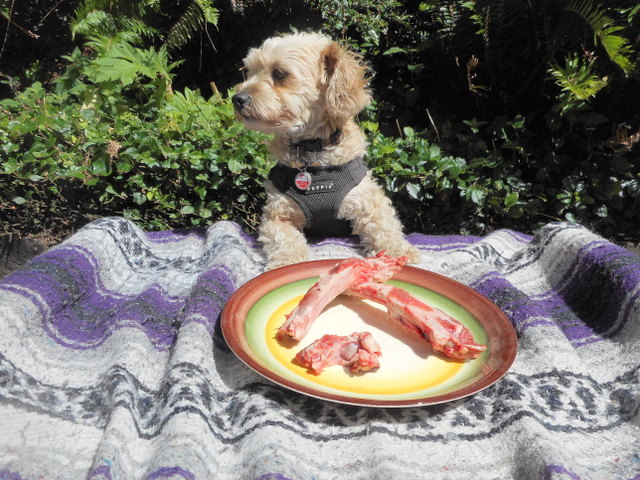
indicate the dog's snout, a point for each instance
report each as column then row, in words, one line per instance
column 240, row 100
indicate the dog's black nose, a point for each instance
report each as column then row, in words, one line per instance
column 240, row 100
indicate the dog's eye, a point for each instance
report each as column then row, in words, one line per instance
column 278, row 74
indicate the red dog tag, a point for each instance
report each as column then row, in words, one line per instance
column 303, row 180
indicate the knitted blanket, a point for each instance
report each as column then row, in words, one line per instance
column 112, row 367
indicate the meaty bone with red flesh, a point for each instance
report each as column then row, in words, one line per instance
column 342, row 276
column 358, row 351
column 445, row 334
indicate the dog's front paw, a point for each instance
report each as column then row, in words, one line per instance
column 413, row 254
column 405, row 248
column 398, row 249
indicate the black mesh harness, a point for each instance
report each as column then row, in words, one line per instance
column 321, row 201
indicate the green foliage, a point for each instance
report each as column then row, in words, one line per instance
column 114, row 131
column 365, row 20
column 605, row 33
column 194, row 18
column 534, row 111
column 138, row 20
column 434, row 184
column 577, row 81
column 108, row 18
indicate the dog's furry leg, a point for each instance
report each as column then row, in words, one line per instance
column 374, row 219
column 281, row 230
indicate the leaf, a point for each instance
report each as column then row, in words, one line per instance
column 205, row 213
column 210, row 13
column 516, row 211
column 408, row 132
column 99, row 167
column 234, row 165
column 394, row 50
column 124, row 63
column 511, row 199
column 201, row 192
column 123, row 167
column 413, row 189
column 476, row 194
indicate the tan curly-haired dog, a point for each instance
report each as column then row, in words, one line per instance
column 306, row 90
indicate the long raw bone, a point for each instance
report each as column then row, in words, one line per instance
column 445, row 334
column 342, row 276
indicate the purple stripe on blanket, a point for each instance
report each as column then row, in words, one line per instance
column 586, row 311
column 207, row 298
column 78, row 312
column 442, row 241
column 614, row 274
column 60, row 275
column 524, row 312
column 171, row 472
column 84, row 326
column 457, row 241
column 436, row 242
column 169, row 236
column 9, row 475
column 553, row 469
column 65, row 275
column 103, row 472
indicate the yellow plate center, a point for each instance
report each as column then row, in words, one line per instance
column 407, row 363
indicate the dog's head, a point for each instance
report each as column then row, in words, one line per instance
column 299, row 84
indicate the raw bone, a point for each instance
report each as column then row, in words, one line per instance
column 359, row 351
column 340, row 277
column 444, row 333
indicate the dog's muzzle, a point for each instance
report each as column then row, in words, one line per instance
column 240, row 100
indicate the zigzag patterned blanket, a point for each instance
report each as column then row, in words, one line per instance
column 111, row 367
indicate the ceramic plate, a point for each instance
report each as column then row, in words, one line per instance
column 410, row 373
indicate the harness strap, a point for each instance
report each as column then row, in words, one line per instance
column 321, row 201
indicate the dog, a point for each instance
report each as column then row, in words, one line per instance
column 306, row 90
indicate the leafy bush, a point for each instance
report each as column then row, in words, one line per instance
column 534, row 103
column 114, row 132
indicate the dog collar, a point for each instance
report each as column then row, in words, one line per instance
column 302, row 147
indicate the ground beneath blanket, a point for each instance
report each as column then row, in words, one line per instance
column 20, row 242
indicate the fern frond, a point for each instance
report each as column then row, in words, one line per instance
column 194, row 18
column 577, row 82
column 92, row 22
column 210, row 13
column 101, row 44
column 618, row 48
column 109, row 17
column 136, row 29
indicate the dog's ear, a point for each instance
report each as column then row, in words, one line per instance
column 345, row 76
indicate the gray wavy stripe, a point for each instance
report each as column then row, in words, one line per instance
column 558, row 400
